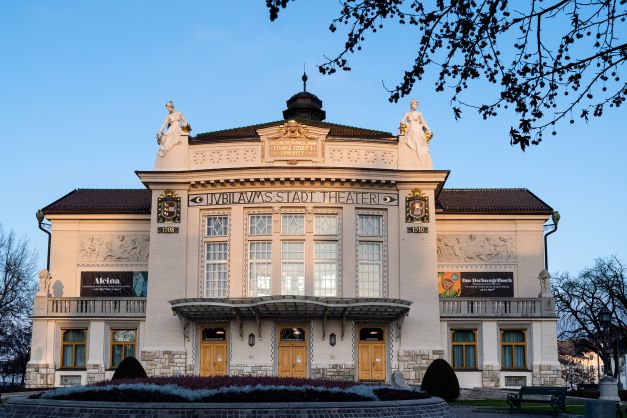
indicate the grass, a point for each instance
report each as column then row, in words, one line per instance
column 527, row 406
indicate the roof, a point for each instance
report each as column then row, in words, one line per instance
column 95, row 201
column 250, row 132
column 491, row 201
column 449, row 201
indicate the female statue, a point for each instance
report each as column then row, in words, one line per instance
column 417, row 133
column 175, row 123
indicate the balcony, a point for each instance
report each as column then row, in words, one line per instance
column 497, row 308
column 90, row 307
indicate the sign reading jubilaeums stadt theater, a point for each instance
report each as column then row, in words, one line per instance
column 333, row 197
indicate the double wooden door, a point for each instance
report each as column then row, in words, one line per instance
column 292, row 351
column 213, row 351
column 372, row 354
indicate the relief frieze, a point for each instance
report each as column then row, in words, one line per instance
column 476, row 248
column 114, row 248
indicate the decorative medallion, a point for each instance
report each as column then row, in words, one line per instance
column 169, row 208
column 417, row 207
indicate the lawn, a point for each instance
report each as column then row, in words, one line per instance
column 527, row 406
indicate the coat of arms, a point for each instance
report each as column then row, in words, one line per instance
column 417, row 207
column 169, row 208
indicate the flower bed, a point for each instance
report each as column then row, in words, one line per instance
column 230, row 389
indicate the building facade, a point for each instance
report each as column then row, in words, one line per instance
column 296, row 248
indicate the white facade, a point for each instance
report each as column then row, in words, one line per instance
column 290, row 251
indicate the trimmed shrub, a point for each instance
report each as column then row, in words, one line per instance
column 440, row 380
column 129, row 368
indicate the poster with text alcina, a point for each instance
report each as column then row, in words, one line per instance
column 114, row 283
column 476, row 284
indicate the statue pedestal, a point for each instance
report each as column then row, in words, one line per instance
column 408, row 158
column 176, row 158
column 609, row 389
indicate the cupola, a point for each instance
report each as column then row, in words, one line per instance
column 304, row 105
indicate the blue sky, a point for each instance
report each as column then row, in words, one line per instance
column 84, row 84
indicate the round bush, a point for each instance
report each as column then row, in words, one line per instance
column 129, row 368
column 440, row 380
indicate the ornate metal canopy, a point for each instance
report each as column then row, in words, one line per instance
column 292, row 307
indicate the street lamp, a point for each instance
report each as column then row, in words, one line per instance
column 607, row 386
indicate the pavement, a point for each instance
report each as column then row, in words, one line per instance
column 474, row 412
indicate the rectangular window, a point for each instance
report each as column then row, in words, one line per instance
column 370, row 255
column 218, row 226
column 293, row 224
column 123, row 345
column 260, row 225
column 464, row 349
column 73, row 348
column 370, row 225
column 260, row 268
column 513, row 349
column 370, row 270
column 216, row 248
column 325, row 268
column 326, row 224
column 216, row 269
column 292, row 268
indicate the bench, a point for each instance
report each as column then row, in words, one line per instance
column 556, row 394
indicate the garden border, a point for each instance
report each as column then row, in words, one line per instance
column 35, row 408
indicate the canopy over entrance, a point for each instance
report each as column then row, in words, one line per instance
column 290, row 307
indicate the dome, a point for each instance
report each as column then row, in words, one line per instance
column 304, row 105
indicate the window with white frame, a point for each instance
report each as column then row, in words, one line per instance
column 301, row 251
column 216, row 256
column 292, row 268
column 370, row 255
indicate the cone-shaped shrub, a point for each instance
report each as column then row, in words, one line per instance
column 129, row 368
column 440, row 380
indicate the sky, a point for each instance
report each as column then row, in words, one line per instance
column 84, row 86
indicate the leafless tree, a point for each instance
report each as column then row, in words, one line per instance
column 580, row 299
column 17, row 288
column 548, row 60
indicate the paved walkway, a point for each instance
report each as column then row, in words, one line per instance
column 473, row 412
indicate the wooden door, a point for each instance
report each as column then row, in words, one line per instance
column 292, row 351
column 372, row 355
column 213, row 351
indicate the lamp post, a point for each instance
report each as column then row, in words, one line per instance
column 555, row 217
column 607, row 386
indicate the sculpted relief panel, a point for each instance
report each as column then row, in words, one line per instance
column 114, row 248
column 476, row 248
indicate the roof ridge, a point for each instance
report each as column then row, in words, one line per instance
column 109, row 189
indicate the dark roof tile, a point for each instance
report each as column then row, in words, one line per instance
column 123, row 201
column 450, row 201
column 248, row 132
column 491, row 201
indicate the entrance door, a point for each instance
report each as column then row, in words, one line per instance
column 372, row 354
column 292, row 352
column 213, row 352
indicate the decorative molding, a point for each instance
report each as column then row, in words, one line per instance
column 359, row 156
column 476, row 248
column 114, row 248
column 479, row 267
column 225, row 157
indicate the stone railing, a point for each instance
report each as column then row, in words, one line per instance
column 495, row 307
column 100, row 307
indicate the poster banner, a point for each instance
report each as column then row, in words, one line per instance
column 114, row 283
column 476, row 284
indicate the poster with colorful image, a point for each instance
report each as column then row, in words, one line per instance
column 449, row 284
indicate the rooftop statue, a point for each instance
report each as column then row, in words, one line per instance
column 176, row 126
column 417, row 133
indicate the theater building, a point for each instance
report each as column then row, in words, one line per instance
column 298, row 248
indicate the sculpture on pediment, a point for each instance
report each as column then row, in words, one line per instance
column 176, row 126
column 415, row 130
